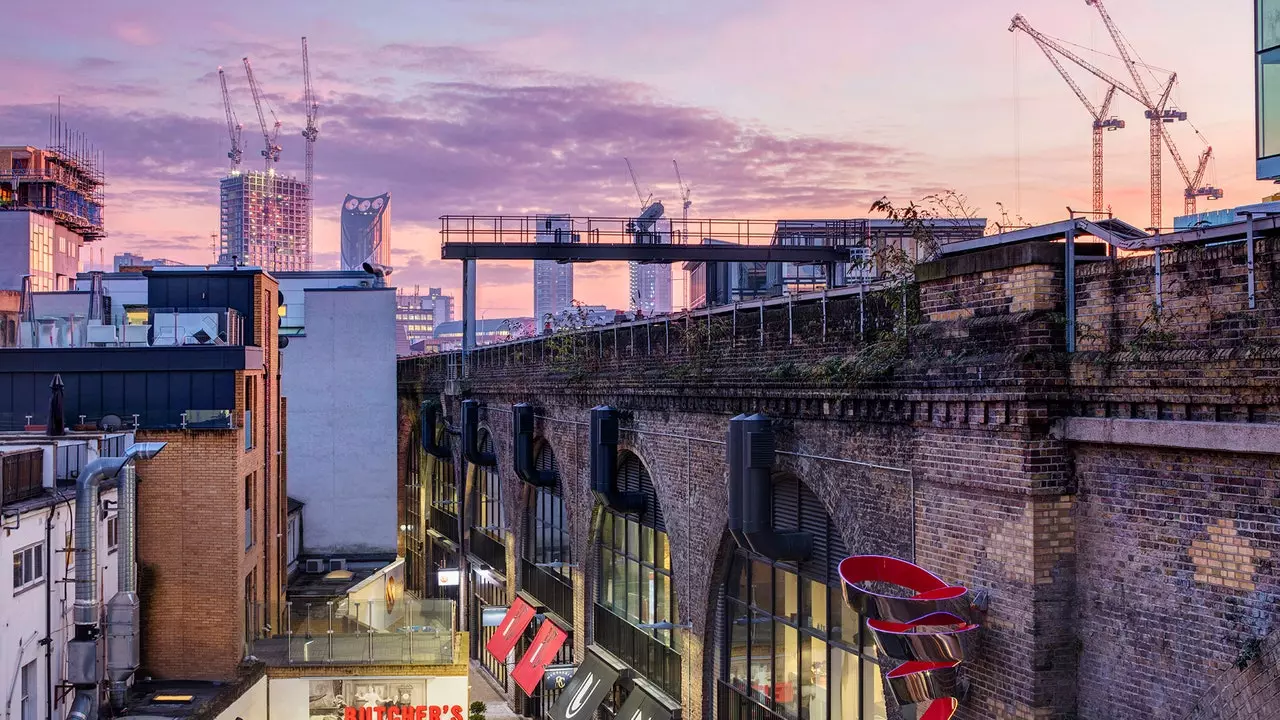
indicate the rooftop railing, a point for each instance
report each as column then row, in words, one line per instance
column 407, row 631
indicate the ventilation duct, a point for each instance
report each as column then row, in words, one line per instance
column 428, row 416
column 522, row 434
column 604, row 462
column 733, row 451
column 751, row 475
column 471, row 436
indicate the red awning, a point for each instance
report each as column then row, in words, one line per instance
column 545, row 645
column 508, row 633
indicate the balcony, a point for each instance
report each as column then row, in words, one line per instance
column 733, row 705
column 551, row 589
column 656, row 662
column 445, row 523
column 492, row 552
column 408, row 631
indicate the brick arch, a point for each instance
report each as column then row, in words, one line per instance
column 528, row 494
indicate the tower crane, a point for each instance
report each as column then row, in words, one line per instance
column 644, row 201
column 271, row 151
column 1159, row 114
column 1193, row 181
column 1102, row 119
column 234, row 128
column 309, row 133
column 686, row 192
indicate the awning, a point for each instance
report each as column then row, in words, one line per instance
column 640, row 705
column 508, row 633
column 543, row 650
column 585, row 691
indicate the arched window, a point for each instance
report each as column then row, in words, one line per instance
column 635, row 559
column 547, row 525
column 490, row 517
column 791, row 646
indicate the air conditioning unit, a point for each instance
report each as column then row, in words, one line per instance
column 337, row 564
column 315, row 566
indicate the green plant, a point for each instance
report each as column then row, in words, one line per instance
column 1249, row 652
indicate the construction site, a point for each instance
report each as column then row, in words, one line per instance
column 266, row 216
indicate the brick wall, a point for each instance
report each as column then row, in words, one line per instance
column 1124, row 581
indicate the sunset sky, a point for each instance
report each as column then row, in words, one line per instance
column 774, row 108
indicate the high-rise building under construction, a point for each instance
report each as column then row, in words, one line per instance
column 264, row 221
column 366, row 231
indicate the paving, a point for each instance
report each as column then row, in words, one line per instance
column 482, row 689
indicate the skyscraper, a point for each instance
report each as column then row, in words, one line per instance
column 366, row 231
column 264, row 221
column 552, row 281
column 651, row 288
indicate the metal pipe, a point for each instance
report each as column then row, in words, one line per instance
column 86, row 538
column 82, row 706
column 1071, row 288
column 1249, row 241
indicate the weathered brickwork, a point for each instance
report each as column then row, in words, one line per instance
column 1124, row 580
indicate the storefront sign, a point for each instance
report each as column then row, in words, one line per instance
column 369, row 698
column 448, row 578
column 517, row 619
column 403, row 712
column 585, row 691
column 556, row 677
column 639, row 705
column 545, row 645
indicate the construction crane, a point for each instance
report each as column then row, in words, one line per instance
column 1193, row 188
column 310, row 132
column 686, row 192
column 1157, row 110
column 234, row 128
column 1102, row 119
column 271, row 151
column 1159, row 114
column 644, row 201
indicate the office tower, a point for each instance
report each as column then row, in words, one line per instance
column 650, row 288
column 439, row 304
column 552, row 281
column 366, row 231
column 264, row 221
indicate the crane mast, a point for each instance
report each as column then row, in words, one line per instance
column 271, row 151
column 309, row 133
column 234, row 128
column 1101, row 115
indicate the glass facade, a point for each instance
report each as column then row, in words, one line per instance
column 490, row 518
column 547, row 524
column 1267, row 77
column 794, row 647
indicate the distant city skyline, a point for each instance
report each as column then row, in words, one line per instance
column 440, row 104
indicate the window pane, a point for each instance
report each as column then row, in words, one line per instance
column 844, row 684
column 786, row 600
column 1269, row 103
column 606, row 530
column 873, row 704
column 37, row 558
column 633, row 538
column 1268, row 23
column 607, row 578
column 736, row 583
column 787, row 676
column 633, row 590
column 844, row 620
column 646, row 594
column 736, row 667
column 661, row 598
column 646, row 544
column 761, row 585
column 814, row 604
column 813, row 680
column 761, row 657
column 17, row 569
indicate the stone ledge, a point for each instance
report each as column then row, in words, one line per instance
column 1001, row 257
column 1184, row 435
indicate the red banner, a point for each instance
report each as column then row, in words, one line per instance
column 513, row 624
column 545, row 645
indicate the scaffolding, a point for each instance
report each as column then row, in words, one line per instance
column 64, row 182
column 264, row 222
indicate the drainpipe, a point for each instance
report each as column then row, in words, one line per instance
column 123, row 621
column 82, row 651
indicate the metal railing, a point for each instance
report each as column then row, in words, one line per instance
column 444, row 523
column 658, row 663
column 491, row 551
column 733, row 705
column 408, row 631
column 69, row 459
column 551, row 588
column 519, row 229
column 208, row 420
column 195, row 326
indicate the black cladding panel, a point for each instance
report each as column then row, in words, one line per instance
column 203, row 289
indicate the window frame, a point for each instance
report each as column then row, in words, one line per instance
column 547, row 518
column 35, row 552
column 113, row 533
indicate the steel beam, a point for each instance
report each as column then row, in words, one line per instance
column 583, row 252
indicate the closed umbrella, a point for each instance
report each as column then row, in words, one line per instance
column 57, row 425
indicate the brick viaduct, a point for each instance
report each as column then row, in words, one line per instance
column 1119, row 503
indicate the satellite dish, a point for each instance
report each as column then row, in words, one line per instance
column 284, row 341
column 110, row 422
